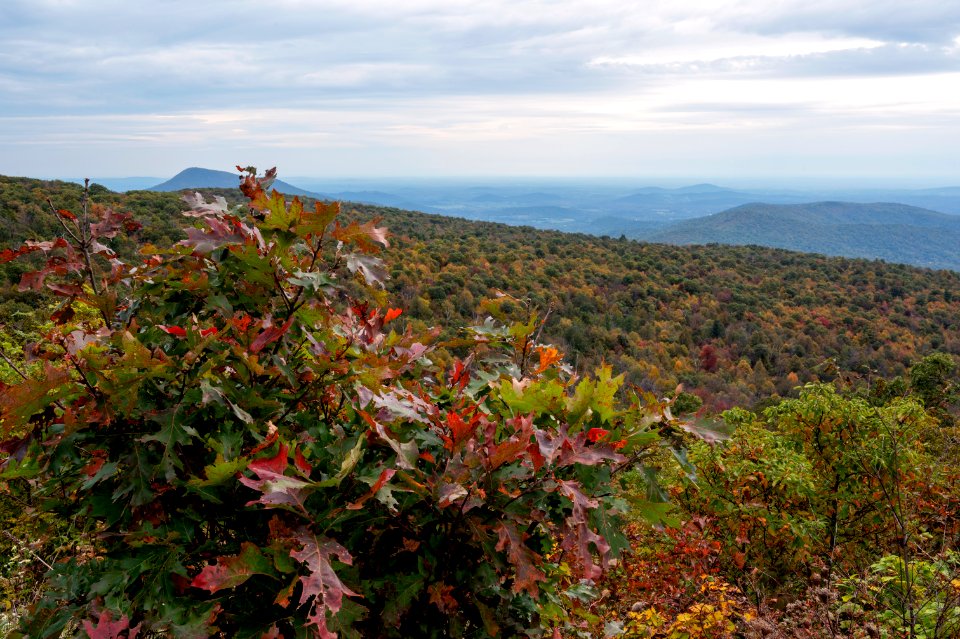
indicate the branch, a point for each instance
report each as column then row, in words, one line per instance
column 62, row 223
column 13, row 365
column 22, row 543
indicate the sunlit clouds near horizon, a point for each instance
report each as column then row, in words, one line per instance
column 844, row 89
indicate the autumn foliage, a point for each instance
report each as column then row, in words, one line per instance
column 254, row 446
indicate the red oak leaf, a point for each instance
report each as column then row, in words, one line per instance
column 576, row 451
column 95, row 464
column 30, row 246
column 509, row 450
column 441, row 595
column 107, row 628
column 269, row 335
column 461, row 430
column 232, row 570
column 377, row 485
column 577, row 535
column 460, row 376
column 301, row 462
column 242, row 322
column 272, row 633
column 322, row 584
column 548, row 357
column 277, row 488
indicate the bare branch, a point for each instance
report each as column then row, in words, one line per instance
column 22, row 543
column 13, row 365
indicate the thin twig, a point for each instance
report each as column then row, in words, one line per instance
column 543, row 323
column 12, row 365
column 35, row 555
column 62, row 223
column 85, row 238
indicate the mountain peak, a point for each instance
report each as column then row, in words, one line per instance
column 196, row 177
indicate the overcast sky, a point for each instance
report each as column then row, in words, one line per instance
column 850, row 89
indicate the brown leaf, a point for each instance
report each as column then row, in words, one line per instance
column 269, row 335
column 509, row 450
column 523, row 559
column 363, row 236
column 20, row 402
column 577, row 535
column 441, row 595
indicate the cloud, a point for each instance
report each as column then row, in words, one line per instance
column 919, row 21
column 462, row 77
column 873, row 59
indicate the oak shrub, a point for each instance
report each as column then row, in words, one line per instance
column 254, row 447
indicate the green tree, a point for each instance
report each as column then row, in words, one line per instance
column 826, row 479
column 932, row 380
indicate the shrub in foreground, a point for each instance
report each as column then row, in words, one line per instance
column 256, row 449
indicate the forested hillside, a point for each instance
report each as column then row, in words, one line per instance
column 734, row 325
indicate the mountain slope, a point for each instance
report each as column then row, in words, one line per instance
column 892, row 232
column 733, row 324
column 199, row 178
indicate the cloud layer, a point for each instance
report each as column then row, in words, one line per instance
column 463, row 87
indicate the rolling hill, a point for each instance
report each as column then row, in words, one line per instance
column 891, row 232
column 199, row 178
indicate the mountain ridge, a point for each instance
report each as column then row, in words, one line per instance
column 889, row 231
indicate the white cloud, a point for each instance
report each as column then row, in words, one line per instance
column 496, row 84
column 739, row 46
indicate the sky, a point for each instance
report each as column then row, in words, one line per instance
column 843, row 90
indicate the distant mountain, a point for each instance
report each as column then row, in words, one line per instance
column 654, row 203
column 703, row 188
column 198, row 178
column 944, row 200
column 599, row 207
column 891, row 232
column 378, row 198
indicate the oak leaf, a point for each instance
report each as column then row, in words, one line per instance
column 322, row 588
column 232, row 570
column 107, row 628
